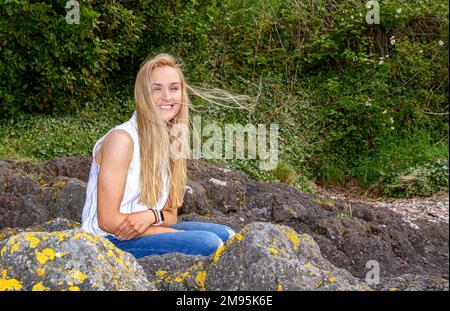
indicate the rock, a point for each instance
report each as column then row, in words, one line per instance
column 195, row 200
column 271, row 257
column 349, row 234
column 176, row 271
column 412, row 282
column 57, row 224
column 23, row 202
column 67, row 260
column 70, row 195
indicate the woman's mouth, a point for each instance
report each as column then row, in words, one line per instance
column 166, row 107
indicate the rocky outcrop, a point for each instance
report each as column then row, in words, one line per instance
column 67, row 260
column 345, row 235
column 263, row 256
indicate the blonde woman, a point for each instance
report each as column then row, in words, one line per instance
column 138, row 180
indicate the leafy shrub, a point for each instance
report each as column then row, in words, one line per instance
column 48, row 65
column 426, row 179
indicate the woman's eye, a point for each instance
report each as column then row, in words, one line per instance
column 174, row 89
column 155, row 89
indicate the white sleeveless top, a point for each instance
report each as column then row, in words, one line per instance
column 131, row 194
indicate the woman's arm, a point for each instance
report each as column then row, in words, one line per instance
column 116, row 155
column 170, row 215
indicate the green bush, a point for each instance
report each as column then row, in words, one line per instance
column 426, row 179
column 48, row 65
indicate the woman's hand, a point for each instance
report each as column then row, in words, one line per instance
column 158, row 229
column 134, row 224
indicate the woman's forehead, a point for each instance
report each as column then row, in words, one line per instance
column 165, row 75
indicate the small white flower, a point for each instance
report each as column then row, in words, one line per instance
column 392, row 41
column 392, row 127
column 384, row 112
column 381, row 57
column 387, row 56
column 421, row 51
column 368, row 104
column 352, row 17
column 441, row 43
column 399, row 10
column 381, row 62
column 391, row 119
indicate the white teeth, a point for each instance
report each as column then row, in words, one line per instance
column 166, row 107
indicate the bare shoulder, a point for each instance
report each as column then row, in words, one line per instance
column 116, row 149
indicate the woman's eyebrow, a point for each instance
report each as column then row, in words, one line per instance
column 159, row 84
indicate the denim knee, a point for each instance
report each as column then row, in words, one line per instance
column 211, row 242
column 230, row 232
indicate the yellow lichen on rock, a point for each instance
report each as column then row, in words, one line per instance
column 84, row 235
column 60, row 254
column 121, row 262
column 161, row 273
column 61, row 236
column 180, row 277
column 273, row 250
column 40, row 287
column 319, row 283
column 15, row 247
column 34, row 241
column 217, row 254
column 74, row 288
column 238, row 236
column 9, row 284
column 291, row 235
column 78, row 276
column 46, row 254
column 200, row 280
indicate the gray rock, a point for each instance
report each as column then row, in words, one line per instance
column 56, row 224
column 70, row 195
column 271, row 257
column 176, row 271
column 412, row 282
column 67, row 260
column 349, row 234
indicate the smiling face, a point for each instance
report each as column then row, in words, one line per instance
column 166, row 91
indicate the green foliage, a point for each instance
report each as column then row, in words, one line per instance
column 48, row 65
column 426, row 179
column 39, row 136
column 352, row 100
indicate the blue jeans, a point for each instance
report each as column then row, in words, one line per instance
column 198, row 238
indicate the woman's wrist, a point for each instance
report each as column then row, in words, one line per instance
column 159, row 217
column 153, row 217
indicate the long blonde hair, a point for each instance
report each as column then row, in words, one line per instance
column 155, row 137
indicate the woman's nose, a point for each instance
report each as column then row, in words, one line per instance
column 166, row 94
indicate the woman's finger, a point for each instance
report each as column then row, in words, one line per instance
column 122, row 225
